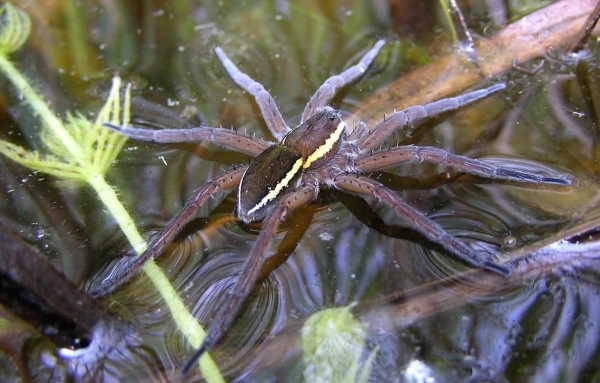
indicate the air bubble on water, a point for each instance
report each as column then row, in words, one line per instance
column 40, row 233
column 417, row 371
column 510, row 241
column 188, row 286
column 326, row 236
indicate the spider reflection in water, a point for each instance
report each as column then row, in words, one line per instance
column 319, row 152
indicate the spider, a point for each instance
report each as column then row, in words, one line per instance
column 319, row 152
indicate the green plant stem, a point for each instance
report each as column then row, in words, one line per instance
column 75, row 22
column 41, row 108
column 109, row 198
column 185, row 322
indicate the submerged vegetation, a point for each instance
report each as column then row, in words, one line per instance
column 415, row 306
column 82, row 150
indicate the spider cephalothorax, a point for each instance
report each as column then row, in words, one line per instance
column 287, row 174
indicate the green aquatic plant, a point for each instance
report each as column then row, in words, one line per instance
column 81, row 150
column 333, row 342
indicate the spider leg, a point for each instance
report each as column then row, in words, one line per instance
column 265, row 102
column 223, row 137
column 334, row 83
column 418, row 221
column 414, row 114
column 250, row 272
column 401, row 154
column 160, row 241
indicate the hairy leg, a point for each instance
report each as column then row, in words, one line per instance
column 334, row 83
column 265, row 102
column 223, row 137
column 417, row 113
column 159, row 242
column 417, row 220
column 249, row 275
column 416, row 154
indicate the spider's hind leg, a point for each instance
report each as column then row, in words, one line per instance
column 250, row 273
column 265, row 102
column 160, row 241
column 367, row 187
column 334, row 83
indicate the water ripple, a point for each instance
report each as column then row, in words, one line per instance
column 206, row 288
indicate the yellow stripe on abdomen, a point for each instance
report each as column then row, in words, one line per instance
column 271, row 195
column 326, row 147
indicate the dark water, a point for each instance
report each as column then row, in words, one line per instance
column 538, row 326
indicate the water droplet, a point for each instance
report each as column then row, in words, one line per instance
column 326, row 236
column 39, row 233
column 510, row 241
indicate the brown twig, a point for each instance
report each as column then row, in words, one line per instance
column 524, row 40
column 584, row 34
column 41, row 295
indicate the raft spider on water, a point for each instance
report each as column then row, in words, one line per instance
column 318, row 153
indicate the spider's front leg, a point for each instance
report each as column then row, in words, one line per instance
column 159, row 242
column 249, row 274
column 265, row 102
column 415, row 114
column 227, row 138
column 368, row 187
column 333, row 84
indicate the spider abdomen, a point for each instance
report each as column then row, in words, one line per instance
column 317, row 139
column 267, row 178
